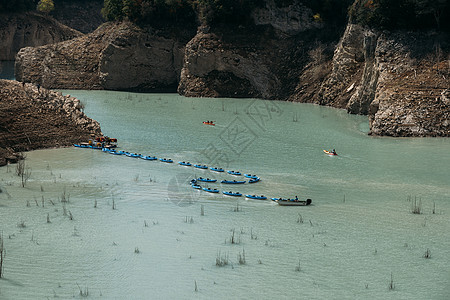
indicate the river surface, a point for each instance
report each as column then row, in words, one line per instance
column 7, row 70
column 93, row 224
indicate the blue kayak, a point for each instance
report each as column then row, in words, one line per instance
column 133, row 155
column 117, row 152
column 183, row 163
column 250, row 176
column 253, row 180
column 217, row 169
column 201, row 166
column 262, row 197
column 230, row 193
column 166, row 160
column 148, row 157
column 278, row 199
column 210, row 190
column 206, row 179
column 196, row 186
column 233, row 181
column 234, row 173
column 81, row 146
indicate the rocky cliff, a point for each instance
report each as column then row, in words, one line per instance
column 35, row 118
column 261, row 61
column 118, row 56
column 240, row 64
column 30, row 29
column 400, row 79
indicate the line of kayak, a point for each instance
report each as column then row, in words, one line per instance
column 252, row 178
column 281, row 201
column 228, row 193
column 195, row 185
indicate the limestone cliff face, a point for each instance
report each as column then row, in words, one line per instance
column 399, row 79
column 140, row 60
column 347, row 66
column 214, row 68
column 262, row 61
column 118, row 56
column 411, row 95
column 30, row 29
column 35, row 118
column 393, row 78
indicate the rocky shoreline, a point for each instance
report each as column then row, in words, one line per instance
column 35, row 118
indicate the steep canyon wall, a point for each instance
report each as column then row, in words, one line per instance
column 399, row 79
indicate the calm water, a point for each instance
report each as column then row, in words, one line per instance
column 156, row 244
column 7, row 70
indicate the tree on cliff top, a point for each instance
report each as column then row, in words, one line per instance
column 45, row 6
column 113, row 10
column 402, row 14
column 153, row 12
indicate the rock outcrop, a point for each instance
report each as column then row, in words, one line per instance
column 216, row 68
column 240, row 64
column 346, row 72
column 117, row 56
column 34, row 118
column 260, row 61
column 30, row 30
column 394, row 77
column 399, row 79
column 411, row 98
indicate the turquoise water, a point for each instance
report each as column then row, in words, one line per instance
column 7, row 70
column 156, row 244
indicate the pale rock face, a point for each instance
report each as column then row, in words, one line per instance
column 216, row 69
column 117, row 56
column 150, row 62
column 347, row 65
column 30, row 30
column 388, row 76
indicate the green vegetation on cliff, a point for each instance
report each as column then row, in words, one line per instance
column 213, row 12
column 402, row 14
column 45, row 6
column 152, row 12
column 382, row 14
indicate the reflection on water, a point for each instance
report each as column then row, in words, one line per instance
column 121, row 227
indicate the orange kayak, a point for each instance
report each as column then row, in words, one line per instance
column 209, row 123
